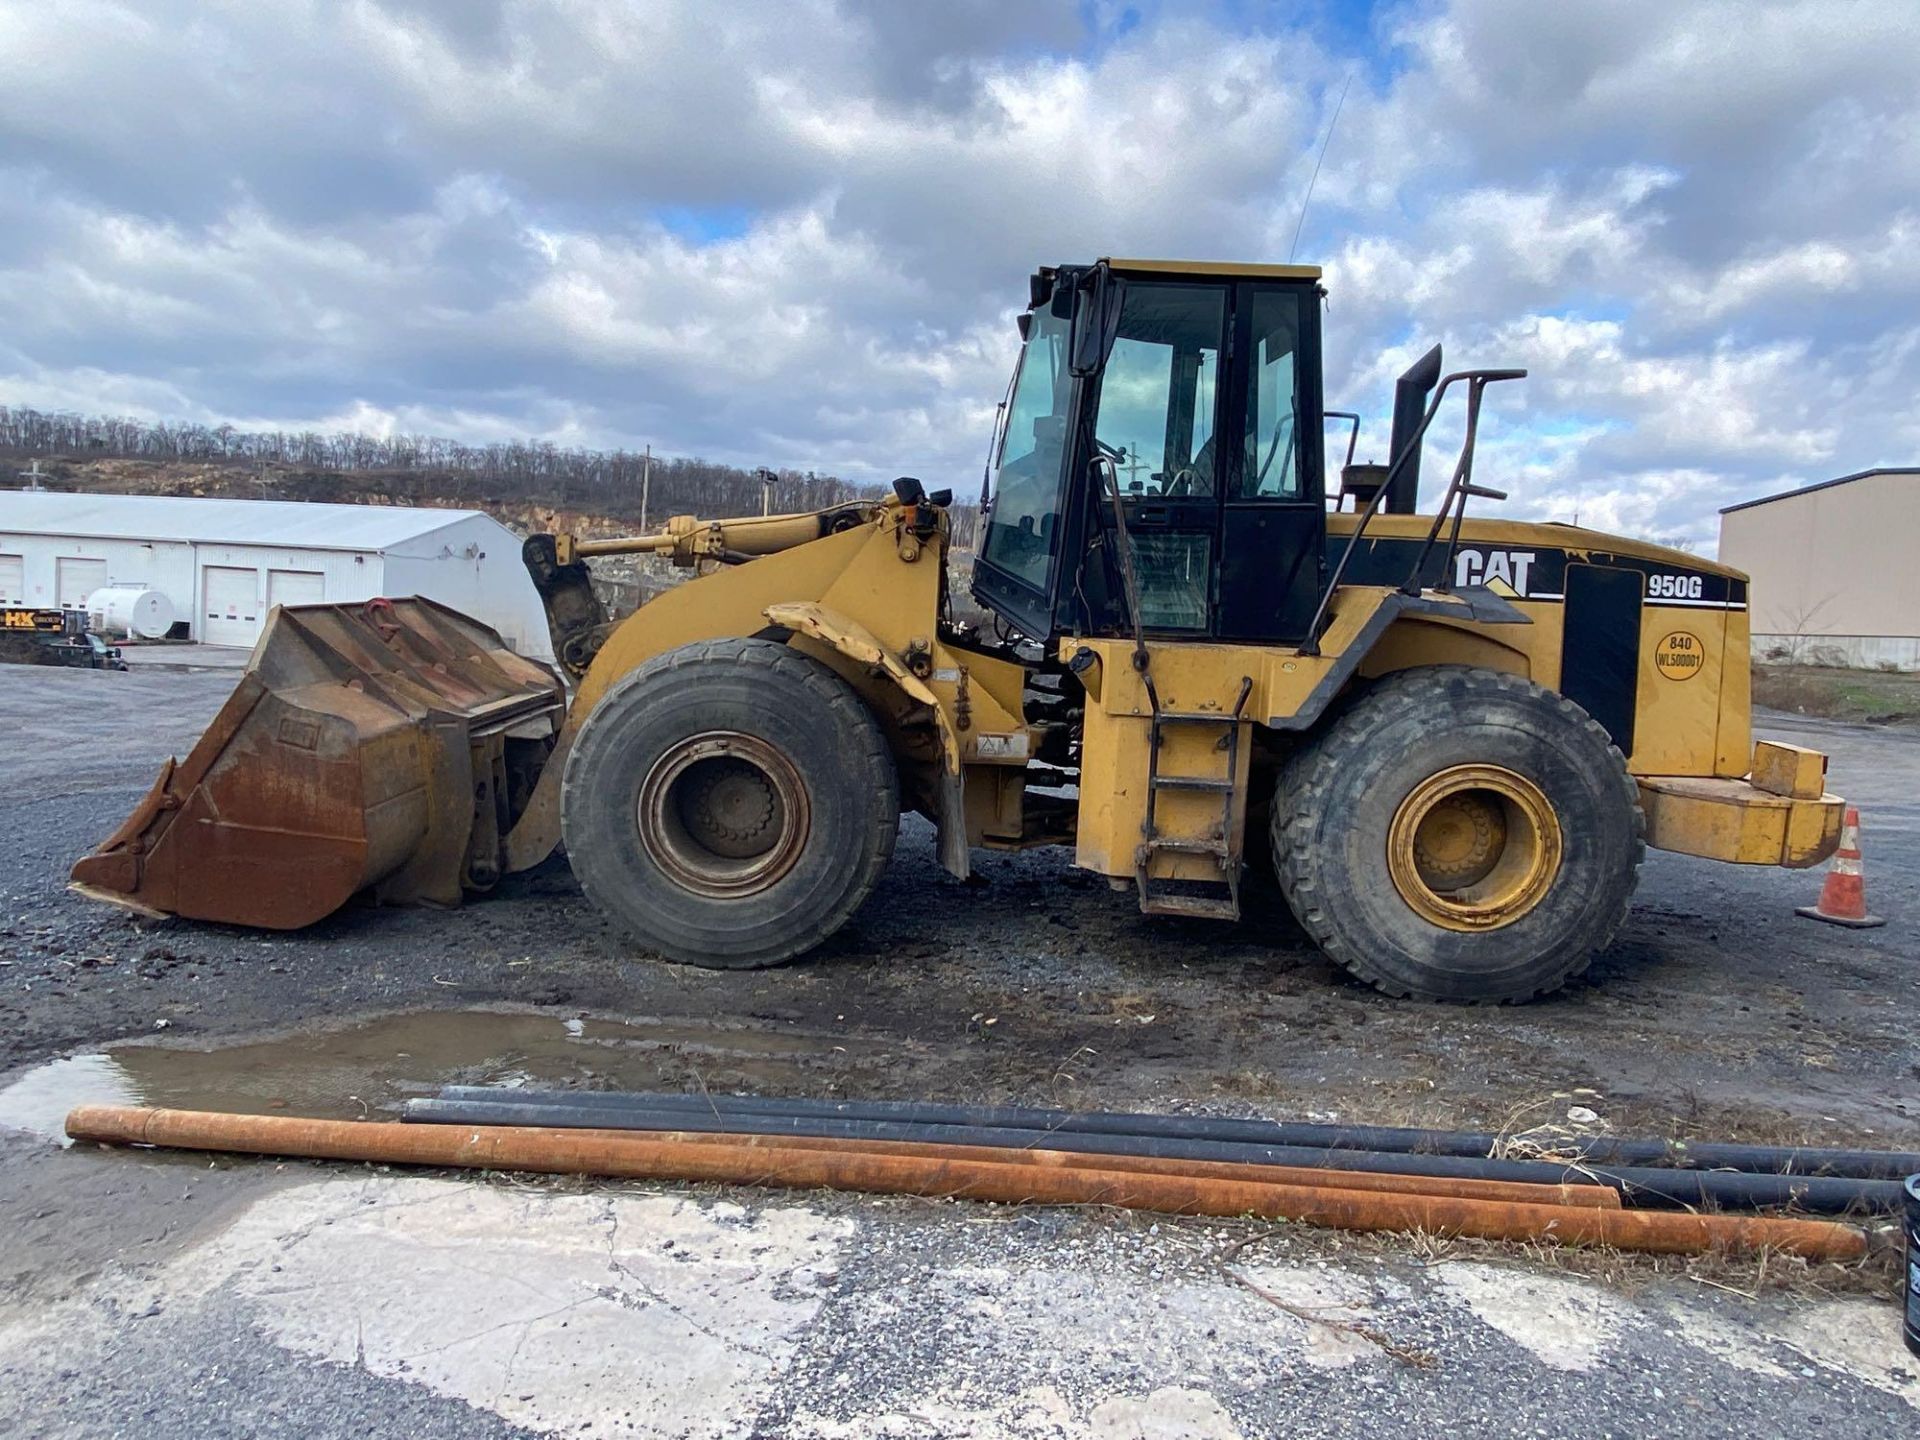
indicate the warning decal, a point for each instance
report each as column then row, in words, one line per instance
column 1679, row 656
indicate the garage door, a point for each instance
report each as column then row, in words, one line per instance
column 13, row 580
column 75, row 579
column 230, row 605
column 295, row 587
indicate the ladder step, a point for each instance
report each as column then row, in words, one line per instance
column 1190, row 782
column 1198, row 717
column 1205, row 906
column 1215, row 848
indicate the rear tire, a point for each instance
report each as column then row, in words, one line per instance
column 1459, row 834
column 730, row 803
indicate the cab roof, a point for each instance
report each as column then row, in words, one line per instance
column 1231, row 268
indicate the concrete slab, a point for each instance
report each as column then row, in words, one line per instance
column 624, row 1310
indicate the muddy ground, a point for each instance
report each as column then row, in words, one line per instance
column 1714, row 1013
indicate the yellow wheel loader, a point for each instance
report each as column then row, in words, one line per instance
column 1195, row 655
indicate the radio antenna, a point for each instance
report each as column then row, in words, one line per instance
column 1307, row 199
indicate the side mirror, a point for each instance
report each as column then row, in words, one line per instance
column 1096, row 319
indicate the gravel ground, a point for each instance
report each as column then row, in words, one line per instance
column 1715, row 1012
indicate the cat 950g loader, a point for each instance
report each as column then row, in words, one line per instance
column 1447, row 740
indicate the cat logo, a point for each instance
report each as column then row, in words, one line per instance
column 1502, row 571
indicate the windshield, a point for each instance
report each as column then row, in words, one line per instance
column 1023, row 525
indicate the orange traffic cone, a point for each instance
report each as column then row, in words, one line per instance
column 1843, row 899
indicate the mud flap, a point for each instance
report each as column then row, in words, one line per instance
column 951, row 819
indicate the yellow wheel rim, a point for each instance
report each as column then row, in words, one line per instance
column 1474, row 847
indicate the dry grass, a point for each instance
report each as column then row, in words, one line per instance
column 1877, row 1276
column 1769, row 1273
column 1875, row 696
column 1535, row 1128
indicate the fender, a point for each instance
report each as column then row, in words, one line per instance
column 1475, row 603
column 853, row 640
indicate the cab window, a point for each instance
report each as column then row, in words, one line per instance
column 1269, row 464
column 1155, row 422
column 1157, row 394
column 1023, row 525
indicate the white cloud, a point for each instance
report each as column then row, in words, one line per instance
column 794, row 233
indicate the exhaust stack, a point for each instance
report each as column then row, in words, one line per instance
column 1409, row 409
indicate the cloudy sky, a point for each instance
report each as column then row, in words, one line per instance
column 794, row 233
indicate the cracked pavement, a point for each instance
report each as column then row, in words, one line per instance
column 207, row 1297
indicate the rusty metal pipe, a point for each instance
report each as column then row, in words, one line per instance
column 1638, row 1185
column 1599, row 1197
column 575, row 1152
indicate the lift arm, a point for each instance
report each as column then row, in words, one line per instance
column 577, row 620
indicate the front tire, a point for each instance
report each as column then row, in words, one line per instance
column 1459, row 834
column 730, row 803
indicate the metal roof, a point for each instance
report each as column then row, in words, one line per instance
column 1227, row 268
column 285, row 523
column 1822, row 485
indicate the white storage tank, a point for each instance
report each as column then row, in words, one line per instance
column 131, row 611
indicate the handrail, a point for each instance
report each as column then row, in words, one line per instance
column 1478, row 381
column 1460, row 486
column 1353, row 435
column 1128, row 580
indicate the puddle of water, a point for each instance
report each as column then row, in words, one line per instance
column 371, row 1067
column 39, row 1100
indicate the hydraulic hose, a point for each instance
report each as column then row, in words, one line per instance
column 600, row 1153
column 1703, row 1155
column 1818, row 1194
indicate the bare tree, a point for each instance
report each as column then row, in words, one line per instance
column 1800, row 643
column 404, row 468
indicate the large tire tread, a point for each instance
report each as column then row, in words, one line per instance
column 858, row 733
column 1304, row 788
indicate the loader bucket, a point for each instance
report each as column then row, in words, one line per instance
column 385, row 747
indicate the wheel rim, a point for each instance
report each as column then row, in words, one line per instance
column 1474, row 847
column 723, row 814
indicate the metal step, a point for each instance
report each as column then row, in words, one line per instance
column 1160, row 846
column 1199, row 717
column 1206, row 907
column 1190, row 782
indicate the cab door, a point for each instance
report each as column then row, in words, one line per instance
column 1158, row 420
column 1273, row 516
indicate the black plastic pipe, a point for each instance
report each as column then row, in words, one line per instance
column 1730, row 1189
column 1705, row 1155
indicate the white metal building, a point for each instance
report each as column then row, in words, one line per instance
column 226, row 563
column 1834, row 578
